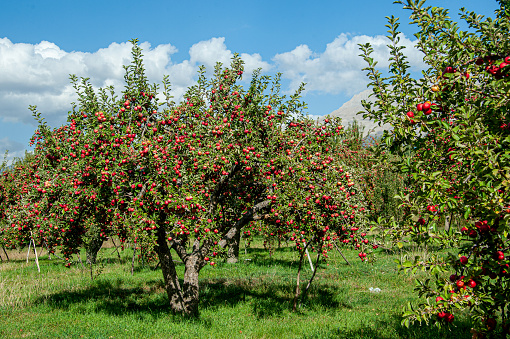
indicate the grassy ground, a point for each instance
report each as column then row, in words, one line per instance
column 251, row 299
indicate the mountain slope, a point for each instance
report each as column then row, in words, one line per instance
column 348, row 112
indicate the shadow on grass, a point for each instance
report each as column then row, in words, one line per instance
column 260, row 257
column 112, row 297
column 266, row 299
column 393, row 329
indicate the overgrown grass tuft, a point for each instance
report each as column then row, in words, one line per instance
column 251, row 299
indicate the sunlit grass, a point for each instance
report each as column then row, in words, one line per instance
column 251, row 299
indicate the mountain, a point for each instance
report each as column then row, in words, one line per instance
column 348, row 112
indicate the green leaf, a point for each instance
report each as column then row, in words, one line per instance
column 467, row 213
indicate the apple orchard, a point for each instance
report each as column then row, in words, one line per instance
column 187, row 179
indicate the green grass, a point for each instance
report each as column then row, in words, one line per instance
column 252, row 299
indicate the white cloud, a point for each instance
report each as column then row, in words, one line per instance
column 210, row 52
column 38, row 74
column 16, row 150
column 48, row 49
column 338, row 68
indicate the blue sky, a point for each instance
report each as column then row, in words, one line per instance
column 42, row 42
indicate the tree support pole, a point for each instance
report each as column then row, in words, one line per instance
column 338, row 249
column 5, row 252
column 29, row 247
column 133, row 260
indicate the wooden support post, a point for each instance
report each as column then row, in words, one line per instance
column 29, row 246
column 133, row 261
column 5, row 252
column 309, row 260
column 116, row 249
column 36, row 257
column 308, row 256
column 338, row 249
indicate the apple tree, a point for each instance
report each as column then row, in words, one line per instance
column 66, row 201
column 184, row 179
column 203, row 169
column 12, row 190
column 451, row 128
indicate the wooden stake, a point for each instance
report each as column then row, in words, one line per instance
column 5, row 252
column 309, row 260
column 308, row 255
column 133, row 261
column 29, row 246
column 36, row 257
column 338, row 249
column 118, row 254
column 313, row 275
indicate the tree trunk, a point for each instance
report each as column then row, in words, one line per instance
column 298, row 282
column 92, row 248
column 233, row 248
column 183, row 299
column 190, row 286
column 447, row 222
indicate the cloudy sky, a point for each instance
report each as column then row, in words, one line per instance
column 42, row 42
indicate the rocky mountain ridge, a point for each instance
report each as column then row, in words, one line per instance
column 349, row 112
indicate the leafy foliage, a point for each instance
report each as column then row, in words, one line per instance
column 451, row 129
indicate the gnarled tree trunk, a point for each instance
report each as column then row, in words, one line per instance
column 190, row 285
column 183, row 299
